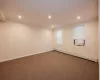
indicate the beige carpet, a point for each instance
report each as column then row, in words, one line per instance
column 49, row 66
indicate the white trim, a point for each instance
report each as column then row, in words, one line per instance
column 92, row 59
column 84, row 57
column 25, row 56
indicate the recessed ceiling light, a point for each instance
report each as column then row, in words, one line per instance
column 78, row 17
column 52, row 26
column 19, row 17
column 49, row 16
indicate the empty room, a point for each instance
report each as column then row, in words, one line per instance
column 49, row 40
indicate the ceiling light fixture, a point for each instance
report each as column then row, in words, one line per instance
column 19, row 17
column 78, row 17
column 49, row 16
column 52, row 26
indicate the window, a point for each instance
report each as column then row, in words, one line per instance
column 59, row 37
column 78, row 32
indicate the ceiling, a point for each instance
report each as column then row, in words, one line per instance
column 35, row 12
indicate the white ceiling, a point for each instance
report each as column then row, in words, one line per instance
column 35, row 12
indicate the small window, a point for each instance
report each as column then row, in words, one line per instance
column 59, row 37
column 78, row 32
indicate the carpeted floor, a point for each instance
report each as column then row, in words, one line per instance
column 49, row 66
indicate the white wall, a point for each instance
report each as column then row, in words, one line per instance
column 99, row 35
column 89, row 51
column 19, row 40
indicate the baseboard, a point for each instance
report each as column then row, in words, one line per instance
column 24, row 56
column 80, row 56
column 92, row 59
